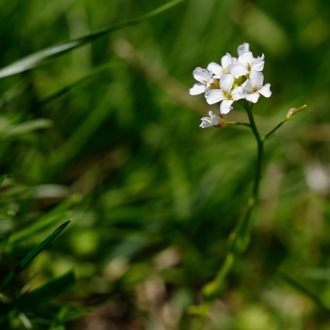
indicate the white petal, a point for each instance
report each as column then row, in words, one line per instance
column 238, row 93
column 256, row 79
column 261, row 58
column 214, row 96
column 238, row 70
column 243, row 48
column 258, row 65
column 215, row 69
column 247, row 87
column 215, row 120
column 226, row 60
column 252, row 97
column 201, row 75
column 265, row 91
column 246, row 58
column 225, row 106
column 205, row 123
column 198, row 88
column 207, row 119
column 226, row 82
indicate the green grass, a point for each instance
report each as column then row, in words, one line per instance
column 107, row 135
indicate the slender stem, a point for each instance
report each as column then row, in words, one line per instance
column 292, row 112
column 240, row 236
column 317, row 300
column 270, row 134
column 260, row 143
column 238, row 123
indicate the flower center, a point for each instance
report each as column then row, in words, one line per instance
column 226, row 70
column 227, row 95
column 215, row 84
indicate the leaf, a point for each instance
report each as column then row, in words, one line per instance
column 305, row 291
column 72, row 315
column 75, row 83
column 32, row 255
column 35, row 298
column 57, row 214
column 3, row 177
column 39, row 57
column 26, row 127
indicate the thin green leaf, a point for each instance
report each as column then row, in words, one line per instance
column 26, row 127
column 47, row 292
column 37, row 226
column 25, row 321
column 75, row 314
column 32, row 255
column 39, row 58
column 75, row 83
column 3, row 177
column 57, row 214
column 305, row 291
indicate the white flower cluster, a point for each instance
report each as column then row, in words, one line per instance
column 233, row 80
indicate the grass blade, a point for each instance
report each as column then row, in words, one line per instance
column 305, row 291
column 32, row 255
column 2, row 178
column 49, row 219
column 39, row 57
column 48, row 291
column 26, row 127
column 37, row 226
column 75, row 83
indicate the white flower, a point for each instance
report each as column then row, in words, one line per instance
column 253, row 87
column 225, row 94
column 229, row 65
column 213, row 120
column 250, row 63
column 205, row 80
column 243, row 48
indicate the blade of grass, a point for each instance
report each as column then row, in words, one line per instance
column 35, row 298
column 2, row 178
column 37, row 226
column 75, row 83
column 32, row 255
column 26, row 127
column 305, row 291
column 57, row 214
column 39, row 57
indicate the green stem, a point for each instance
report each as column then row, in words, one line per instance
column 238, row 123
column 270, row 134
column 240, row 236
column 260, row 144
column 292, row 112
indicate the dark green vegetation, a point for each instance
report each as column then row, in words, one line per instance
column 107, row 135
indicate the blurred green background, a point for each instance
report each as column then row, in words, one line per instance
column 152, row 196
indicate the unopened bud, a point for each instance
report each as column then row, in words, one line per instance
column 222, row 122
column 213, row 121
column 293, row 111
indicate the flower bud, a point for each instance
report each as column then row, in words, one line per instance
column 222, row 122
column 213, row 121
column 293, row 111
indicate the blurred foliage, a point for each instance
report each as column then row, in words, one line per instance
column 107, row 135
